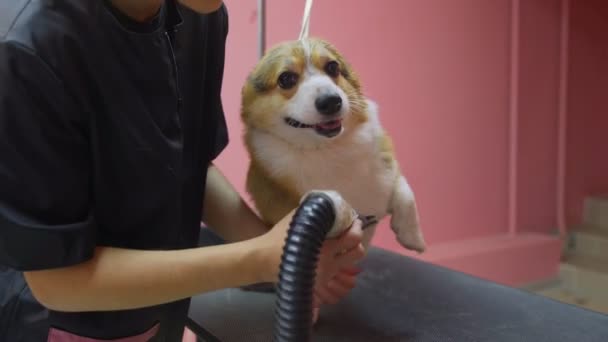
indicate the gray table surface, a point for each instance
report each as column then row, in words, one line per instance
column 402, row 299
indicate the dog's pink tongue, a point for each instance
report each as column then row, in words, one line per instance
column 330, row 124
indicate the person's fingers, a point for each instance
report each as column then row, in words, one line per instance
column 316, row 301
column 350, row 236
column 336, row 289
column 315, row 315
column 357, row 225
column 350, row 257
column 340, row 288
column 326, row 296
column 341, row 252
column 350, row 270
column 346, row 280
column 355, row 233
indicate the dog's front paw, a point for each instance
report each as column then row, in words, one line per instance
column 405, row 225
column 404, row 217
column 412, row 239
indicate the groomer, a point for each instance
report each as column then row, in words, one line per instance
column 110, row 119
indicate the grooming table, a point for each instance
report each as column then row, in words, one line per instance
column 398, row 298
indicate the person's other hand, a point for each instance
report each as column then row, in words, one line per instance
column 334, row 290
column 337, row 254
column 338, row 257
column 338, row 287
column 336, row 270
column 336, row 282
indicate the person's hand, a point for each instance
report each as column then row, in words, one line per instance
column 338, row 258
column 334, row 290
column 336, row 270
column 336, row 282
column 338, row 287
column 337, row 255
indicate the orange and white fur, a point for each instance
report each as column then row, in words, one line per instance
column 309, row 127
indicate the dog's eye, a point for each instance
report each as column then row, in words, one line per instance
column 332, row 68
column 288, row 79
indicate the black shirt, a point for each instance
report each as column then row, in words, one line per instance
column 107, row 127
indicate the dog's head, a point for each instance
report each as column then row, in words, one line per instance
column 303, row 92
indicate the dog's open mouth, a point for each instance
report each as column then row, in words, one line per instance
column 328, row 129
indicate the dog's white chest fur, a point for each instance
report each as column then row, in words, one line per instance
column 352, row 166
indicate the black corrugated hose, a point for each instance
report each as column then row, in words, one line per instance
column 309, row 226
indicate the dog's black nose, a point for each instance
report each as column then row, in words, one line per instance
column 328, row 104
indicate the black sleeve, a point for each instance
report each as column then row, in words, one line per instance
column 221, row 129
column 221, row 134
column 45, row 206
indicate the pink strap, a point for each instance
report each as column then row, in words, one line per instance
column 57, row 335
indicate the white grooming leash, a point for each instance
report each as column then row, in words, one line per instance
column 306, row 20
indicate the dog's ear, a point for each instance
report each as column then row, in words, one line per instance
column 264, row 76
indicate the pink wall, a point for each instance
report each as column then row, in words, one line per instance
column 241, row 55
column 587, row 110
column 538, row 95
column 588, row 104
column 440, row 72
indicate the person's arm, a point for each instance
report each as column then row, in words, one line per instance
column 225, row 211
column 118, row 279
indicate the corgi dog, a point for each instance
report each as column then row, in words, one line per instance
column 308, row 126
